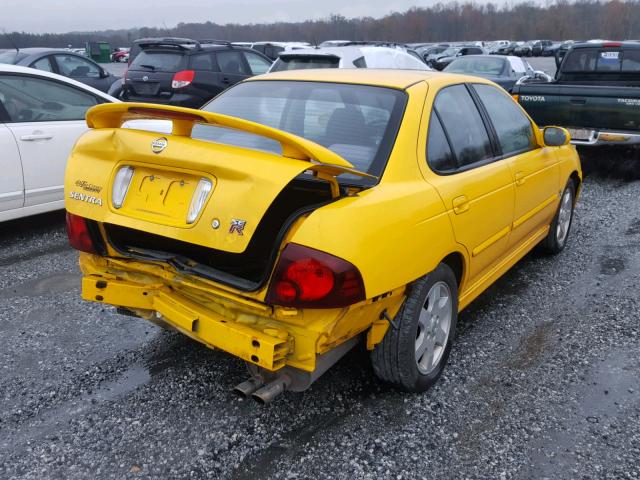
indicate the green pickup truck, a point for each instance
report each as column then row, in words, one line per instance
column 595, row 94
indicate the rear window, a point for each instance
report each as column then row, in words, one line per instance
column 357, row 122
column 9, row 57
column 302, row 63
column 602, row 60
column 159, row 61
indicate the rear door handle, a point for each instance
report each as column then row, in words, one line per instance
column 520, row 178
column 36, row 136
column 225, row 80
column 460, row 204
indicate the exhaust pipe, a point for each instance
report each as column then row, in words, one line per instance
column 271, row 390
column 249, row 386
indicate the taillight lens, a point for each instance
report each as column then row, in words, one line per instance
column 182, row 78
column 121, row 185
column 79, row 234
column 308, row 278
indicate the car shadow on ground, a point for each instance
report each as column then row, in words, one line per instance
column 15, row 230
column 618, row 163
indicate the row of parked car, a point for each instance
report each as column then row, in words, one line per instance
column 44, row 93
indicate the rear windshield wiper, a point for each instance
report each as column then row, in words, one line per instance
column 152, row 67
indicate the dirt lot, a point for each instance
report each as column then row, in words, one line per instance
column 544, row 380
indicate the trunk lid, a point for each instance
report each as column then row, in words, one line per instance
column 167, row 170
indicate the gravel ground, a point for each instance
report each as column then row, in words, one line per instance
column 543, row 382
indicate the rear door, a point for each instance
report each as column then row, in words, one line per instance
column 233, row 67
column 11, row 183
column 535, row 170
column 477, row 188
column 207, row 82
column 46, row 118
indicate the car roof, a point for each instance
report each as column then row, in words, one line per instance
column 391, row 78
column 376, row 56
column 38, row 50
column 598, row 44
column 189, row 49
column 7, row 68
column 485, row 55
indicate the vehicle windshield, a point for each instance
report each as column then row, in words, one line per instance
column 477, row 65
column 299, row 62
column 357, row 122
column 158, row 61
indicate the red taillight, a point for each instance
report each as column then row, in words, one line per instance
column 612, row 44
column 305, row 277
column 182, row 78
column 79, row 235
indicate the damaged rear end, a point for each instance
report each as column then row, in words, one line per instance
column 199, row 236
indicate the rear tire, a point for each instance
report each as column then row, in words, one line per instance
column 556, row 239
column 414, row 352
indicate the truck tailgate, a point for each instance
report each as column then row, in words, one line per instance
column 584, row 106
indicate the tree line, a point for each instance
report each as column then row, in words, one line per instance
column 557, row 20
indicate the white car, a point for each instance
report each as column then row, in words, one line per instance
column 41, row 117
column 348, row 57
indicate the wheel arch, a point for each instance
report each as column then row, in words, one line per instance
column 456, row 262
column 577, row 182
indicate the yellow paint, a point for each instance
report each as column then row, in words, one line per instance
column 394, row 233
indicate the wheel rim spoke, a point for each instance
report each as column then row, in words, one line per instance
column 434, row 324
column 426, row 358
column 564, row 217
column 441, row 336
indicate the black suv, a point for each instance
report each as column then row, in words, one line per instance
column 188, row 73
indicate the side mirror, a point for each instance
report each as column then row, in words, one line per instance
column 104, row 73
column 555, row 136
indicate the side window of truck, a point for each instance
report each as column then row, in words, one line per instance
column 631, row 60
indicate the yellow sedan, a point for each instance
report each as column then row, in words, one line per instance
column 302, row 212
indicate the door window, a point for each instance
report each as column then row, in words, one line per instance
column 231, row 62
column 257, row 64
column 201, row 61
column 43, row 64
column 74, row 66
column 464, row 126
column 513, row 128
column 30, row 99
column 439, row 154
column 631, row 60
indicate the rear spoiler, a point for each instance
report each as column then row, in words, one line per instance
column 322, row 160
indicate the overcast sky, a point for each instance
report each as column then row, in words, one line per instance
column 84, row 15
